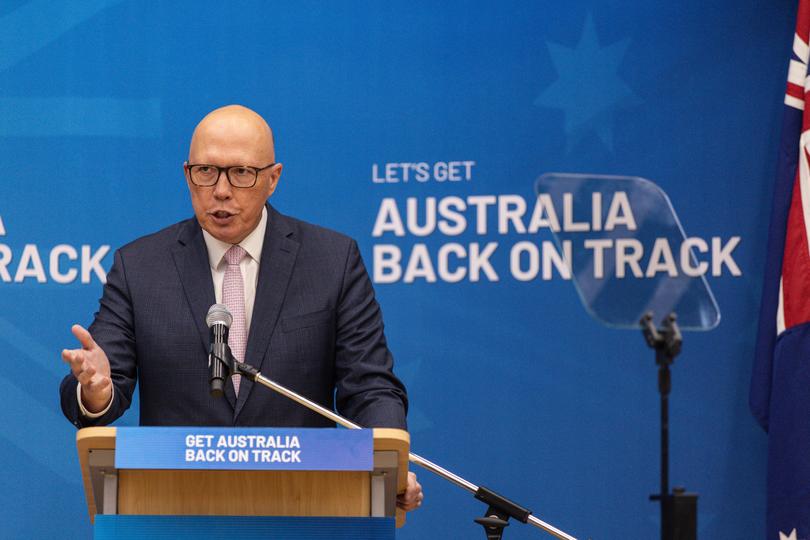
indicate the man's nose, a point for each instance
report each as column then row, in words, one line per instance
column 222, row 189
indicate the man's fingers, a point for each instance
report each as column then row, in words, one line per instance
column 414, row 487
column 413, row 496
column 99, row 385
column 75, row 358
column 85, row 375
column 83, row 336
column 409, row 505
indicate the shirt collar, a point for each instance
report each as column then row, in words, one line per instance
column 252, row 244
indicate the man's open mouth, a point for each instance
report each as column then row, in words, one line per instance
column 222, row 217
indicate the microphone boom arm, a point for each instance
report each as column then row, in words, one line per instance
column 499, row 506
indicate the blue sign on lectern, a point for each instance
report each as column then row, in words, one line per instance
column 298, row 449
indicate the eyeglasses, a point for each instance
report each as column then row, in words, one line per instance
column 241, row 176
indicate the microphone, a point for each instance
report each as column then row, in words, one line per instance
column 219, row 319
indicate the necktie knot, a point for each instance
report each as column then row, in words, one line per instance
column 235, row 255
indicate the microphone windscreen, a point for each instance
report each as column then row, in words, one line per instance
column 218, row 314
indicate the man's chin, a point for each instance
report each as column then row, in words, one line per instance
column 227, row 233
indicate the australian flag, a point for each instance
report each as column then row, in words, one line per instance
column 780, row 382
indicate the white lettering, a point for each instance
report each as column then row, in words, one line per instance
column 412, row 215
column 687, row 258
column 596, row 211
column 533, row 267
column 628, row 252
column 721, row 256
column 440, row 171
column 375, row 177
column 419, row 265
column 238, row 456
column 30, row 265
column 481, row 202
column 444, row 263
column 388, row 219
column 569, row 225
column 598, row 246
column 543, row 215
column 92, row 262
column 620, row 213
column 561, row 262
column 661, row 259
column 53, row 266
column 511, row 208
column 386, row 263
column 480, row 261
column 210, row 455
column 201, row 441
column 422, row 171
column 454, row 222
column 5, row 259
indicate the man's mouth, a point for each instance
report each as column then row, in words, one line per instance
column 221, row 216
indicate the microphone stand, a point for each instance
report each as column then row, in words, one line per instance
column 499, row 508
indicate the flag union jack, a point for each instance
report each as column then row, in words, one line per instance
column 794, row 297
column 780, row 381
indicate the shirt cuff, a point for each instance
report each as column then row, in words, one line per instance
column 85, row 412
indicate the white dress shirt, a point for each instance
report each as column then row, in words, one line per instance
column 249, row 266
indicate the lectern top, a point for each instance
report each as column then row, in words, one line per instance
column 96, row 446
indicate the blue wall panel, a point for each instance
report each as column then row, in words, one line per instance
column 512, row 384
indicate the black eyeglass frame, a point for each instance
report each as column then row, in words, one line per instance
column 220, row 170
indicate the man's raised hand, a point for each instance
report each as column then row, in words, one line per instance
column 90, row 366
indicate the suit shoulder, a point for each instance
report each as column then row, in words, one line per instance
column 156, row 242
column 306, row 233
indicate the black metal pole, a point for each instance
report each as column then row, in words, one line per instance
column 665, row 435
column 664, row 386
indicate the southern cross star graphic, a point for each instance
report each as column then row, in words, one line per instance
column 588, row 88
column 791, row 536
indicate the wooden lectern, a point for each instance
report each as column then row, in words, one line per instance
column 152, row 492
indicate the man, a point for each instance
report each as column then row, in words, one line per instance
column 304, row 309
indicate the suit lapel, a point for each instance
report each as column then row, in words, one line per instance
column 279, row 252
column 191, row 259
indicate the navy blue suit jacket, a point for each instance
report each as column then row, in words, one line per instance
column 316, row 328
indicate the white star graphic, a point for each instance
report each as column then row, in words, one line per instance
column 2, row 227
column 791, row 536
column 588, row 89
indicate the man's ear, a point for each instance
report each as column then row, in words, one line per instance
column 187, row 176
column 275, row 174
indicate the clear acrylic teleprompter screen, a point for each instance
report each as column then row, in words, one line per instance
column 627, row 251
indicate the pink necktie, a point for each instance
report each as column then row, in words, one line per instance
column 233, row 296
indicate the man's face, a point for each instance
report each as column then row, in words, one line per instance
column 227, row 137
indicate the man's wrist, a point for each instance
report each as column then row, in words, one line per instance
column 85, row 412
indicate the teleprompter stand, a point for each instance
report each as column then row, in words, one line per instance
column 617, row 296
column 678, row 509
column 499, row 508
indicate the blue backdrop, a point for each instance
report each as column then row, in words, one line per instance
column 511, row 383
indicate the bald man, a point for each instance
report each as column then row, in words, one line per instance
column 302, row 300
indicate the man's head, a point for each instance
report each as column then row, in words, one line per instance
column 227, row 137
